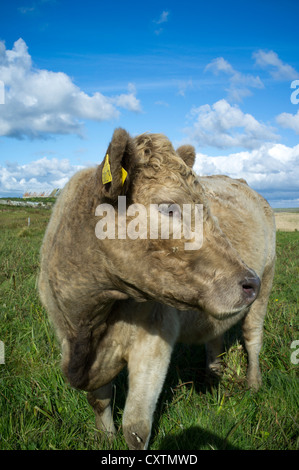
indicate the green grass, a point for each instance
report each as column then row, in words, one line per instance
column 38, row 410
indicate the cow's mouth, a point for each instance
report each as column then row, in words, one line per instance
column 227, row 315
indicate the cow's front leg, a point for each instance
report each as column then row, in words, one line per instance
column 147, row 366
column 253, row 330
column 100, row 401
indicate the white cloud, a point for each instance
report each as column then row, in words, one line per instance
column 272, row 169
column 40, row 102
column 25, row 10
column 183, row 86
column 162, row 103
column 278, row 69
column 222, row 125
column 128, row 101
column 40, row 175
column 220, row 65
column 239, row 83
column 163, row 18
column 290, row 121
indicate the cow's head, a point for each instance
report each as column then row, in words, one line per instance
column 150, row 176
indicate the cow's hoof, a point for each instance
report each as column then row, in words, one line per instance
column 254, row 380
column 137, row 435
column 105, row 438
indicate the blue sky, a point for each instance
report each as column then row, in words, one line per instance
column 215, row 74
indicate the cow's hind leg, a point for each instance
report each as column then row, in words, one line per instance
column 100, row 401
column 147, row 366
column 253, row 330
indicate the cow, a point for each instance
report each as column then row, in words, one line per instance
column 117, row 301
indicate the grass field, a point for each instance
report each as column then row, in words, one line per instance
column 38, row 410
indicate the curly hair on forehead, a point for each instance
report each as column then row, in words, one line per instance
column 148, row 145
column 157, row 159
column 156, row 151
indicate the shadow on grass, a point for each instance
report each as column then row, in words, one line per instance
column 188, row 363
column 187, row 368
column 195, row 438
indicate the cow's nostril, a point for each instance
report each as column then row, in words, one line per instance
column 248, row 289
column 251, row 287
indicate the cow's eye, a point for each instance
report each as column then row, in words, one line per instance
column 171, row 210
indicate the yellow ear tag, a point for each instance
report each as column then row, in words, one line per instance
column 106, row 172
column 124, row 174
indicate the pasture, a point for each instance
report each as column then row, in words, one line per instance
column 287, row 220
column 38, row 410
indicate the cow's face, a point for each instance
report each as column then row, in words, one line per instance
column 166, row 245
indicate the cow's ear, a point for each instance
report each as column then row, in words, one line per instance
column 116, row 170
column 187, row 153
